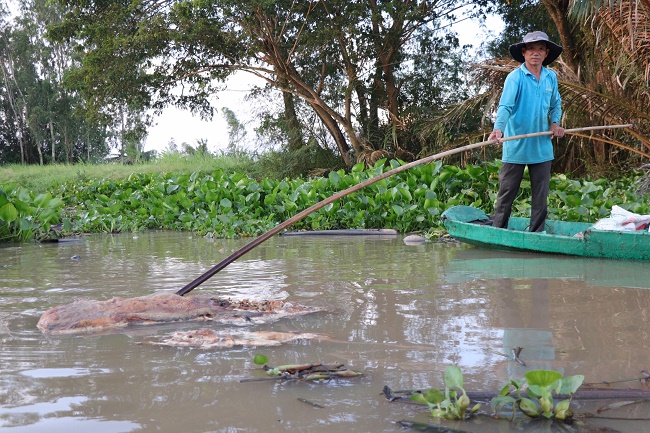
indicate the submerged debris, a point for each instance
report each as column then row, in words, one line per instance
column 309, row 372
column 86, row 316
column 414, row 240
column 431, row 428
column 516, row 351
column 643, row 380
column 310, row 403
column 205, row 338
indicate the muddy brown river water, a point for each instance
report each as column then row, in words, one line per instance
column 398, row 313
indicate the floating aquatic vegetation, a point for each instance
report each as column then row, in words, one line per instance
column 541, row 387
column 451, row 404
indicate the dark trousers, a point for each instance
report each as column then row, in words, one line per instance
column 509, row 181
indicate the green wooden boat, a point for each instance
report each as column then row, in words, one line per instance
column 471, row 225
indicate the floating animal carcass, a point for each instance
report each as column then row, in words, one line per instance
column 86, row 316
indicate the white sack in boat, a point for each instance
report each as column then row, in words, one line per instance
column 623, row 220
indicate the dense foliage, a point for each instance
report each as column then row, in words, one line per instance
column 41, row 121
column 225, row 204
column 360, row 70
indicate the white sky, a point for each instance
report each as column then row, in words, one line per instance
column 182, row 126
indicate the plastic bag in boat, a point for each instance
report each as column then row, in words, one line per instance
column 623, row 220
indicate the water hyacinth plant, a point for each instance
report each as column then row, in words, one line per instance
column 541, row 388
column 224, row 204
column 450, row 404
column 24, row 215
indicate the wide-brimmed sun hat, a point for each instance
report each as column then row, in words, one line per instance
column 554, row 49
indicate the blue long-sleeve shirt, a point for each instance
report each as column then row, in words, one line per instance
column 526, row 105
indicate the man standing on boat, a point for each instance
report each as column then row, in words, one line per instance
column 530, row 100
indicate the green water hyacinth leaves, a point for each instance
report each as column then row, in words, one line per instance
column 219, row 204
column 453, row 403
column 8, row 211
column 541, row 389
column 24, row 216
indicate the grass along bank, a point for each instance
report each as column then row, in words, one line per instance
column 42, row 178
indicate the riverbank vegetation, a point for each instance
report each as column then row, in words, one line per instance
column 218, row 197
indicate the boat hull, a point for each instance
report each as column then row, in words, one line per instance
column 560, row 237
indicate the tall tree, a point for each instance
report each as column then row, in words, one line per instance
column 236, row 130
column 347, row 60
column 41, row 113
column 17, row 77
column 129, row 131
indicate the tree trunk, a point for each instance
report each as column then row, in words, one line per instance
column 287, row 78
column 329, row 117
column 558, row 10
column 66, row 144
column 15, row 110
column 392, row 91
column 375, row 102
column 387, row 45
column 52, row 140
column 354, row 84
column 336, row 133
column 294, row 128
column 40, row 153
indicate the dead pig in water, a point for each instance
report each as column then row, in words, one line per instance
column 86, row 316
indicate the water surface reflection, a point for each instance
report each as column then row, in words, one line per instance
column 400, row 313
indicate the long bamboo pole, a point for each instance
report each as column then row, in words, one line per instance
column 294, row 219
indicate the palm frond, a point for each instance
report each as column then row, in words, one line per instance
column 582, row 10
